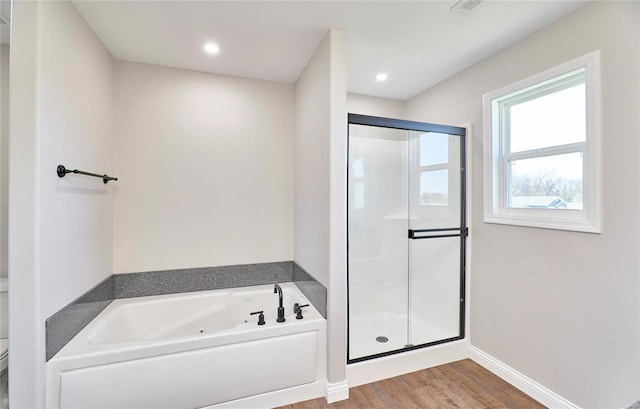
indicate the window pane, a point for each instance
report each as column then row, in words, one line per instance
column 550, row 182
column 434, row 187
column 554, row 119
column 434, row 148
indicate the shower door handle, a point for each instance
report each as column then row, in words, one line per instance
column 437, row 233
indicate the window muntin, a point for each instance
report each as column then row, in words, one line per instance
column 542, row 149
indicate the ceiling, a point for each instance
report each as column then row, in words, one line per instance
column 418, row 43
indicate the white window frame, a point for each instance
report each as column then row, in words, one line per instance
column 496, row 209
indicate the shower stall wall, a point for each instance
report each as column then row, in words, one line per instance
column 406, row 235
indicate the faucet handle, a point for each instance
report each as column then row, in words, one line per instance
column 297, row 309
column 260, row 317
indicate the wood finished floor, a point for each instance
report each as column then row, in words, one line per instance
column 463, row 384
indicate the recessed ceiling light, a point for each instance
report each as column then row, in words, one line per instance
column 382, row 76
column 211, row 48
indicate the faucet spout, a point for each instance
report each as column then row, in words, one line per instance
column 278, row 289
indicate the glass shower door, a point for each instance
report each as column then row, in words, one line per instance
column 377, row 223
column 405, row 235
column 436, row 237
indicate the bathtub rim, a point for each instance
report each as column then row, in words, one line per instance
column 220, row 300
column 81, row 347
column 75, row 355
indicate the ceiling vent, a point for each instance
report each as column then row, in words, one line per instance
column 465, row 7
column 4, row 21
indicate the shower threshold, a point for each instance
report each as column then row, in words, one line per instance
column 365, row 334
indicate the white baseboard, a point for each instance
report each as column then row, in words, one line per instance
column 520, row 381
column 336, row 391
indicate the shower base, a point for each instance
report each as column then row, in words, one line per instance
column 368, row 331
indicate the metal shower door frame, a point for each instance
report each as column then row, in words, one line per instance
column 462, row 232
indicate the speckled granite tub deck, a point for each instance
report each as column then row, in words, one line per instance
column 70, row 320
column 66, row 323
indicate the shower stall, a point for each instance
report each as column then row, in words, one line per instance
column 406, row 235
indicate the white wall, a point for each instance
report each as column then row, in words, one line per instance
column 375, row 106
column 320, row 189
column 337, row 291
column 561, row 307
column 311, row 180
column 206, row 169
column 4, row 157
column 75, row 129
column 60, row 230
column 26, row 361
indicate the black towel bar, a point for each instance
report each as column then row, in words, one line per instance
column 61, row 171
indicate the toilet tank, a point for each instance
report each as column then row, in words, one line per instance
column 4, row 298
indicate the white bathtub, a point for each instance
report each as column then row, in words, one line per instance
column 193, row 350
